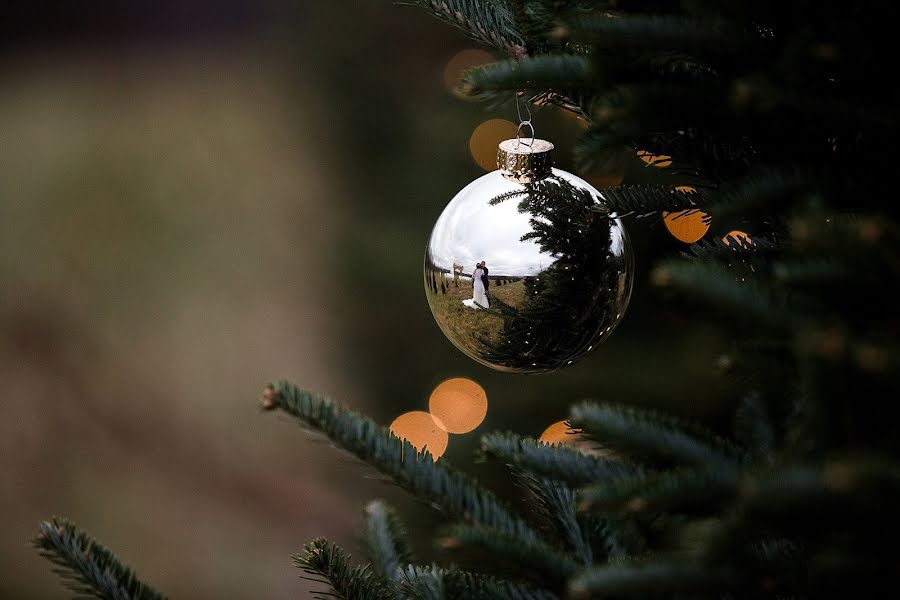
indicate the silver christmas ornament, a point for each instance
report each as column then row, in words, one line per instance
column 525, row 270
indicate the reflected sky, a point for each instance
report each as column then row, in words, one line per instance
column 470, row 230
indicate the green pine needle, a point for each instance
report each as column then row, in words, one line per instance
column 534, row 560
column 328, row 563
column 385, row 540
column 549, row 71
column 652, row 438
column 552, row 460
column 490, row 23
column 88, row 568
column 437, row 583
column 684, row 491
column 444, row 487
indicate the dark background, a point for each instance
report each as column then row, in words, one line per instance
column 198, row 197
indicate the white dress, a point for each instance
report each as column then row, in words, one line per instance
column 479, row 298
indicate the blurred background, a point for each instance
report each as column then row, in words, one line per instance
column 199, row 196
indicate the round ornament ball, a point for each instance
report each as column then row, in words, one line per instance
column 526, row 270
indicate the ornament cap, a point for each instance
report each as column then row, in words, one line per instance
column 525, row 161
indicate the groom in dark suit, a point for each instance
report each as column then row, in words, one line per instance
column 484, row 277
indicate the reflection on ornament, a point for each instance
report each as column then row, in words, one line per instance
column 423, row 431
column 687, row 226
column 559, row 433
column 461, row 62
column 654, row 160
column 738, row 237
column 459, row 404
column 484, row 140
column 546, row 273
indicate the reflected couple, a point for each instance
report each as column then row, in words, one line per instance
column 480, row 284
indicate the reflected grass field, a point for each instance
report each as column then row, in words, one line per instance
column 460, row 321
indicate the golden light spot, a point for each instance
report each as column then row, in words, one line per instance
column 422, row 431
column 461, row 62
column 654, row 160
column 685, row 189
column 485, row 139
column 459, row 404
column 738, row 237
column 687, row 226
column 559, row 433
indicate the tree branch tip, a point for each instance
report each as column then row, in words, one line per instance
column 269, row 399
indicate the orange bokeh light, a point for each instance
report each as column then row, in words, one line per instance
column 739, row 237
column 559, row 433
column 654, row 160
column 422, row 431
column 485, row 139
column 459, row 404
column 687, row 226
column 461, row 62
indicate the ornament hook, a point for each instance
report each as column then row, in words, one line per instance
column 523, row 122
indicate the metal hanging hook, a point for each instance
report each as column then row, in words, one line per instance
column 523, row 123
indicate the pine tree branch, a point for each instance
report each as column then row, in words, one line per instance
column 385, row 540
column 330, row 564
column 659, row 32
column 491, row 23
column 534, row 560
column 552, row 460
column 556, row 503
column 437, row 583
column 545, row 72
column 644, row 199
column 641, row 580
column 684, row 491
column 726, row 291
column 88, row 568
column 442, row 486
column 647, row 436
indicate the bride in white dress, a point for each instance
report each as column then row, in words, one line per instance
column 479, row 298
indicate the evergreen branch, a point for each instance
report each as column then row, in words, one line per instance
column 534, row 559
column 385, row 540
column 332, row 564
column 724, row 290
column 651, row 437
column 442, row 486
column 621, row 538
column 855, row 494
column 642, row 579
column 551, row 460
column 437, row 583
column 658, row 32
column 556, row 502
column 490, row 23
column 88, row 568
column 718, row 248
column 645, row 199
column 544, row 72
column 679, row 491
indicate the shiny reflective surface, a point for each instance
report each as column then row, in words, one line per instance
column 558, row 271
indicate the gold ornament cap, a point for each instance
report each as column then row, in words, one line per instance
column 525, row 160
